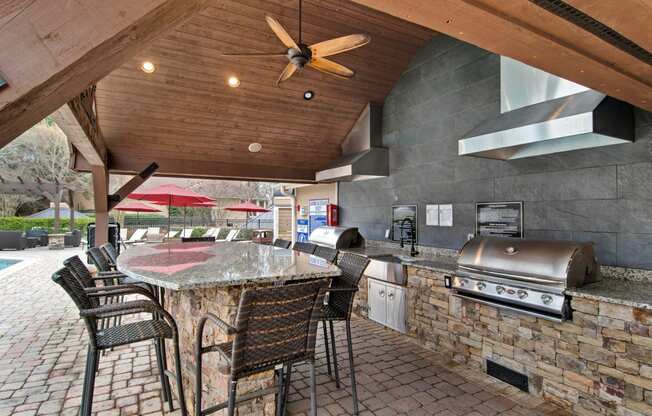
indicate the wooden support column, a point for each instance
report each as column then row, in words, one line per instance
column 100, row 192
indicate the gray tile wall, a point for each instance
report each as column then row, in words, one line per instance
column 602, row 195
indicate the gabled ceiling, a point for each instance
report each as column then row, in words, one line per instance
column 185, row 117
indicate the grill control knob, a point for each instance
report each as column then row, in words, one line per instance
column 481, row 286
column 500, row 290
column 547, row 299
column 522, row 294
column 464, row 282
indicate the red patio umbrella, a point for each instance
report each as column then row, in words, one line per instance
column 137, row 207
column 172, row 196
column 246, row 207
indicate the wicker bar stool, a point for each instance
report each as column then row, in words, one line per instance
column 326, row 253
column 304, row 247
column 339, row 307
column 159, row 328
column 282, row 243
column 274, row 326
column 110, row 253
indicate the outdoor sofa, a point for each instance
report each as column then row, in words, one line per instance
column 12, row 240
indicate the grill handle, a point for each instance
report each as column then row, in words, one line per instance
column 530, row 279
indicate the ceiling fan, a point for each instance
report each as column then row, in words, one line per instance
column 314, row 56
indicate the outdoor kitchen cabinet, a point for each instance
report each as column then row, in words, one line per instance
column 386, row 303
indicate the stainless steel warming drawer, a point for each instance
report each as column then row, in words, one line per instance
column 527, row 276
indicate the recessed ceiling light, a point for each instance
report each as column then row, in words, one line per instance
column 233, row 82
column 148, row 67
column 308, row 95
column 255, row 147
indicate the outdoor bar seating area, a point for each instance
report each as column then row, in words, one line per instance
column 268, row 324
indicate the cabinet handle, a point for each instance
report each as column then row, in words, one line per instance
column 390, row 296
column 382, row 293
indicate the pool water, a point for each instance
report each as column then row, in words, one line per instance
column 4, row 263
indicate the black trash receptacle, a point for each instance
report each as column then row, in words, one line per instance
column 114, row 235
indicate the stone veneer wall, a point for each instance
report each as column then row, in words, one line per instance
column 600, row 195
column 600, row 363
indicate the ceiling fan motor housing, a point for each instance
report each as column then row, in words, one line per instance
column 300, row 57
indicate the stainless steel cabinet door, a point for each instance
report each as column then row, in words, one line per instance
column 396, row 307
column 377, row 301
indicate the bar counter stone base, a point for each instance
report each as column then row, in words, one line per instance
column 600, row 363
column 187, row 307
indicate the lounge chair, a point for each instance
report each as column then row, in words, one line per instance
column 137, row 237
column 187, row 233
column 154, row 235
column 170, row 235
column 231, row 236
column 211, row 232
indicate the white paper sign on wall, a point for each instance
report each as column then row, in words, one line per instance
column 446, row 215
column 432, row 214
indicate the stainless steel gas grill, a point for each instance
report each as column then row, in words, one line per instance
column 336, row 237
column 527, row 276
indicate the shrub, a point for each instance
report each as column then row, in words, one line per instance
column 24, row 224
column 198, row 232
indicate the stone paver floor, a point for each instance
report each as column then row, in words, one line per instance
column 43, row 349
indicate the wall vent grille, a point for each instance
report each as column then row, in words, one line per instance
column 508, row 375
column 586, row 22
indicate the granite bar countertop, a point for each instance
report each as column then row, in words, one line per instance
column 625, row 292
column 182, row 266
column 422, row 261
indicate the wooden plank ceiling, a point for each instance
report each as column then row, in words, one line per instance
column 529, row 33
column 186, row 118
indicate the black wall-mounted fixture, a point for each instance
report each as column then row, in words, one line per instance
column 308, row 95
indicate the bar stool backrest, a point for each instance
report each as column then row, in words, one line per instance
column 65, row 278
column 110, row 252
column 76, row 266
column 304, row 247
column 99, row 259
column 352, row 267
column 282, row 243
column 326, row 253
column 276, row 325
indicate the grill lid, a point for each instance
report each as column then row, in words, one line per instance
column 335, row 237
column 568, row 262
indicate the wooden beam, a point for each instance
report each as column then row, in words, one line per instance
column 131, row 164
column 523, row 31
column 53, row 49
column 131, row 186
column 78, row 120
column 100, row 193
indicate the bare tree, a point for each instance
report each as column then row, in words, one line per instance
column 42, row 154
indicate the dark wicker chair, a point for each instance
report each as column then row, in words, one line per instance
column 274, row 326
column 304, row 247
column 338, row 308
column 99, row 259
column 282, row 243
column 159, row 328
column 110, row 253
column 326, row 253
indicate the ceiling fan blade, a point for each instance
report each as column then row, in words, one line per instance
column 289, row 70
column 281, row 33
column 332, row 68
column 254, row 55
column 339, row 45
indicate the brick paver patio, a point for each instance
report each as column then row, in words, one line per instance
column 43, row 349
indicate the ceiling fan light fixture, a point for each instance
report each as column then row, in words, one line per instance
column 255, row 147
column 233, row 82
column 308, row 95
column 148, row 67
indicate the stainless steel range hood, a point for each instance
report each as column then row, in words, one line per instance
column 363, row 157
column 543, row 114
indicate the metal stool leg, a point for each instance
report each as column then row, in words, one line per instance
column 328, row 354
column 165, row 384
column 89, row 382
column 354, row 390
column 233, row 387
column 286, row 389
column 179, row 377
column 337, row 371
column 280, row 389
column 313, row 390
